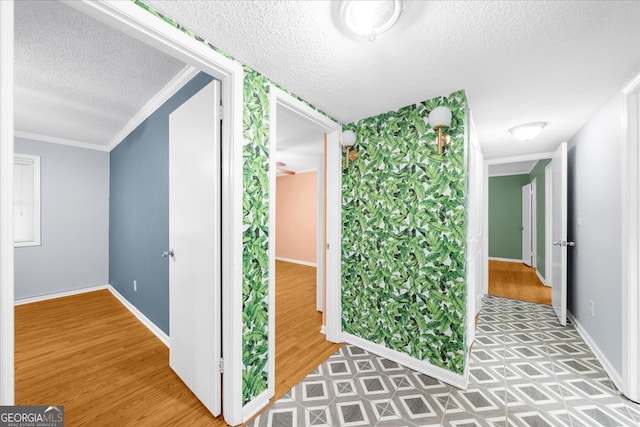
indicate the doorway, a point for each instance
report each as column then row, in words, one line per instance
column 303, row 146
column 517, row 236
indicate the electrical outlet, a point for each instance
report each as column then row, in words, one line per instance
column 135, row 286
column 592, row 308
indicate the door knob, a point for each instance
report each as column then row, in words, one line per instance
column 563, row 243
column 168, row 253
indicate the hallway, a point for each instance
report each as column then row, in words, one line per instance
column 525, row 370
column 517, row 281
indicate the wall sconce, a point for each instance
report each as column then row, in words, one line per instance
column 347, row 139
column 439, row 118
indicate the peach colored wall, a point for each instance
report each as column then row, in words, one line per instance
column 296, row 215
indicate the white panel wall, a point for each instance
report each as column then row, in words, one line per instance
column 74, row 252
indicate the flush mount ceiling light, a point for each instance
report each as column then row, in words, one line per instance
column 368, row 18
column 527, row 131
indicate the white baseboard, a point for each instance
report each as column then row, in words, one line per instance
column 256, row 405
column 456, row 380
column 519, row 261
column 59, row 294
column 141, row 317
column 544, row 282
column 322, row 330
column 613, row 374
column 297, row 261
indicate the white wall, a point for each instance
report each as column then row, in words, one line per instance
column 595, row 271
column 75, row 222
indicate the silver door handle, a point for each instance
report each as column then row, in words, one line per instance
column 168, row 253
column 563, row 243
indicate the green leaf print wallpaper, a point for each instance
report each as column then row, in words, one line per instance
column 403, row 276
column 404, row 234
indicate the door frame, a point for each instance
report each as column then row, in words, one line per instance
column 6, row 205
column 548, row 221
column 485, row 205
column 133, row 20
column 528, row 188
column 630, row 181
column 333, row 189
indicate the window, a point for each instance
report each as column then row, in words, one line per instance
column 26, row 200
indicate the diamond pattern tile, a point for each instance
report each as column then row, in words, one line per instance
column 525, row 371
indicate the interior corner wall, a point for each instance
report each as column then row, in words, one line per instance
column 296, row 217
column 74, row 250
column 505, row 216
column 595, row 269
column 404, row 235
column 139, row 210
column 538, row 173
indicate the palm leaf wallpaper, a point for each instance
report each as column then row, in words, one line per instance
column 403, row 248
column 430, row 283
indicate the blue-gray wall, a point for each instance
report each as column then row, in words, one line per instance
column 505, row 216
column 594, row 263
column 74, row 253
column 139, row 211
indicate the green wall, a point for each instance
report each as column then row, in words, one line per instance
column 505, row 216
column 538, row 174
column 404, row 235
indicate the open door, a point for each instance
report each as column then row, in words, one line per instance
column 526, row 224
column 195, row 234
column 559, row 233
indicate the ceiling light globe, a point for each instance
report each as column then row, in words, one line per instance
column 527, row 131
column 440, row 117
column 369, row 18
column 348, row 138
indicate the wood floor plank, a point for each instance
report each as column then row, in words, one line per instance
column 517, row 281
column 90, row 354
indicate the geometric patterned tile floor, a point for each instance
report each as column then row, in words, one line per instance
column 525, row 370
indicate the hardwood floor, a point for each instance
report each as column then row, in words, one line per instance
column 517, row 281
column 300, row 347
column 90, row 354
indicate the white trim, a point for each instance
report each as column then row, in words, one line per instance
column 36, row 223
column 548, row 219
column 297, row 261
column 144, row 26
column 534, row 223
column 6, row 205
column 516, row 159
column 542, row 279
column 176, row 83
column 62, row 294
column 456, row 380
column 519, row 261
column 606, row 364
column 333, row 308
column 630, row 180
column 277, row 99
column 61, row 141
column 255, row 405
column 322, row 330
column 140, row 316
column 496, row 175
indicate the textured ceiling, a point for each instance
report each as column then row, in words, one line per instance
column 519, row 61
column 77, row 79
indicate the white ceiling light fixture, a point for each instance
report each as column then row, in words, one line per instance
column 527, row 131
column 369, row 18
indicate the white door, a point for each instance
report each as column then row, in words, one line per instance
column 194, row 220
column 559, row 233
column 526, row 224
